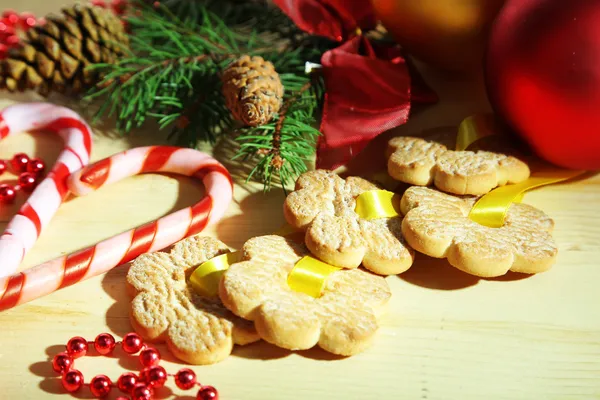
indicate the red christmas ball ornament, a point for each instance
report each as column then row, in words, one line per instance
column 100, row 386
column 185, row 378
column 154, row 376
column 27, row 181
column 132, row 343
column 7, row 194
column 19, row 162
column 104, row 343
column 72, row 381
column 149, row 357
column 36, row 166
column 77, row 347
column 543, row 77
column 207, row 393
column 127, row 382
column 141, row 392
column 62, row 362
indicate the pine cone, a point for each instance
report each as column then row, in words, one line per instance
column 53, row 57
column 252, row 89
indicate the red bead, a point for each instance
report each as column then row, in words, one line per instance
column 100, row 386
column 27, row 181
column 104, row 343
column 36, row 166
column 207, row 393
column 12, row 41
column 127, row 382
column 3, row 167
column 122, row 398
column 27, row 20
column 72, row 381
column 185, row 378
column 149, row 357
column 19, row 162
column 6, row 29
column 11, row 16
column 7, row 194
column 142, row 392
column 132, row 343
column 62, row 362
column 154, row 376
column 77, row 347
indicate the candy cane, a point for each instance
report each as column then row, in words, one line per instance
column 24, row 229
column 65, row 271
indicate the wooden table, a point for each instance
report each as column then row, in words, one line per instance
column 447, row 335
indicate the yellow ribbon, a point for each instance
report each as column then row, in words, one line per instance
column 309, row 276
column 205, row 279
column 490, row 210
column 473, row 128
column 375, row 204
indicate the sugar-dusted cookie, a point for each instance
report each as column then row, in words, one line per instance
column 343, row 320
column 422, row 162
column 323, row 205
column 197, row 329
column 438, row 224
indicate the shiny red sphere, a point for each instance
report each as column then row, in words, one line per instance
column 27, row 181
column 149, row 357
column 72, row 380
column 543, row 78
column 207, row 393
column 155, row 376
column 185, row 378
column 132, row 343
column 3, row 167
column 7, row 194
column 36, row 166
column 104, row 343
column 100, row 386
column 11, row 16
column 127, row 382
column 77, row 347
column 142, row 392
column 19, row 161
column 62, row 362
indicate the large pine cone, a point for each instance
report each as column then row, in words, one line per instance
column 252, row 89
column 54, row 56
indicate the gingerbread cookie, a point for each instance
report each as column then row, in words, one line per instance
column 323, row 205
column 197, row 329
column 421, row 162
column 343, row 320
column 438, row 224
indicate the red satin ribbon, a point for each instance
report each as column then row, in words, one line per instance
column 369, row 88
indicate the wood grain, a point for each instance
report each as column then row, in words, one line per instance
column 447, row 335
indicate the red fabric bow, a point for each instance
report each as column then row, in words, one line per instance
column 368, row 88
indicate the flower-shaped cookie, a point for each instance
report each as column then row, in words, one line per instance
column 343, row 320
column 323, row 205
column 438, row 224
column 197, row 329
column 421, row 162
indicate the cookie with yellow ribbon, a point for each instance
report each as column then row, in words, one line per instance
column 438, row 224
column 341, row 317
column 423, row 162
column 197, row 328
column 324, row 206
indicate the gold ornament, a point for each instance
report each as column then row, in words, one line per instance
column 450, row 34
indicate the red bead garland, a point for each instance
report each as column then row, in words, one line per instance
column 141, row 387
column 29, row 172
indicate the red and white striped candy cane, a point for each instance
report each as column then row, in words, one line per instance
column 65, row 271
column 24, row 229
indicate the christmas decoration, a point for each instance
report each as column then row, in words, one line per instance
column 210, row 73
column 25, row 227
column 139, row 386
column 28, row 170
column 70, row 269
column 449, row 34
column 12, row 26
column 55, row 56
column 549, row 93
column 252, row 89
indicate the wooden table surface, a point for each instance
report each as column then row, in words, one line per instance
column 447, row 335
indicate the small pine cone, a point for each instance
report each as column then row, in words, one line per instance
column 54, row 56
column 252, row 89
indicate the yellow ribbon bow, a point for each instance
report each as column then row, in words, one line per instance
column 205, row 279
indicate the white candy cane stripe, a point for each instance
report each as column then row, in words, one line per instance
column 25, row 227
column 65, row 271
